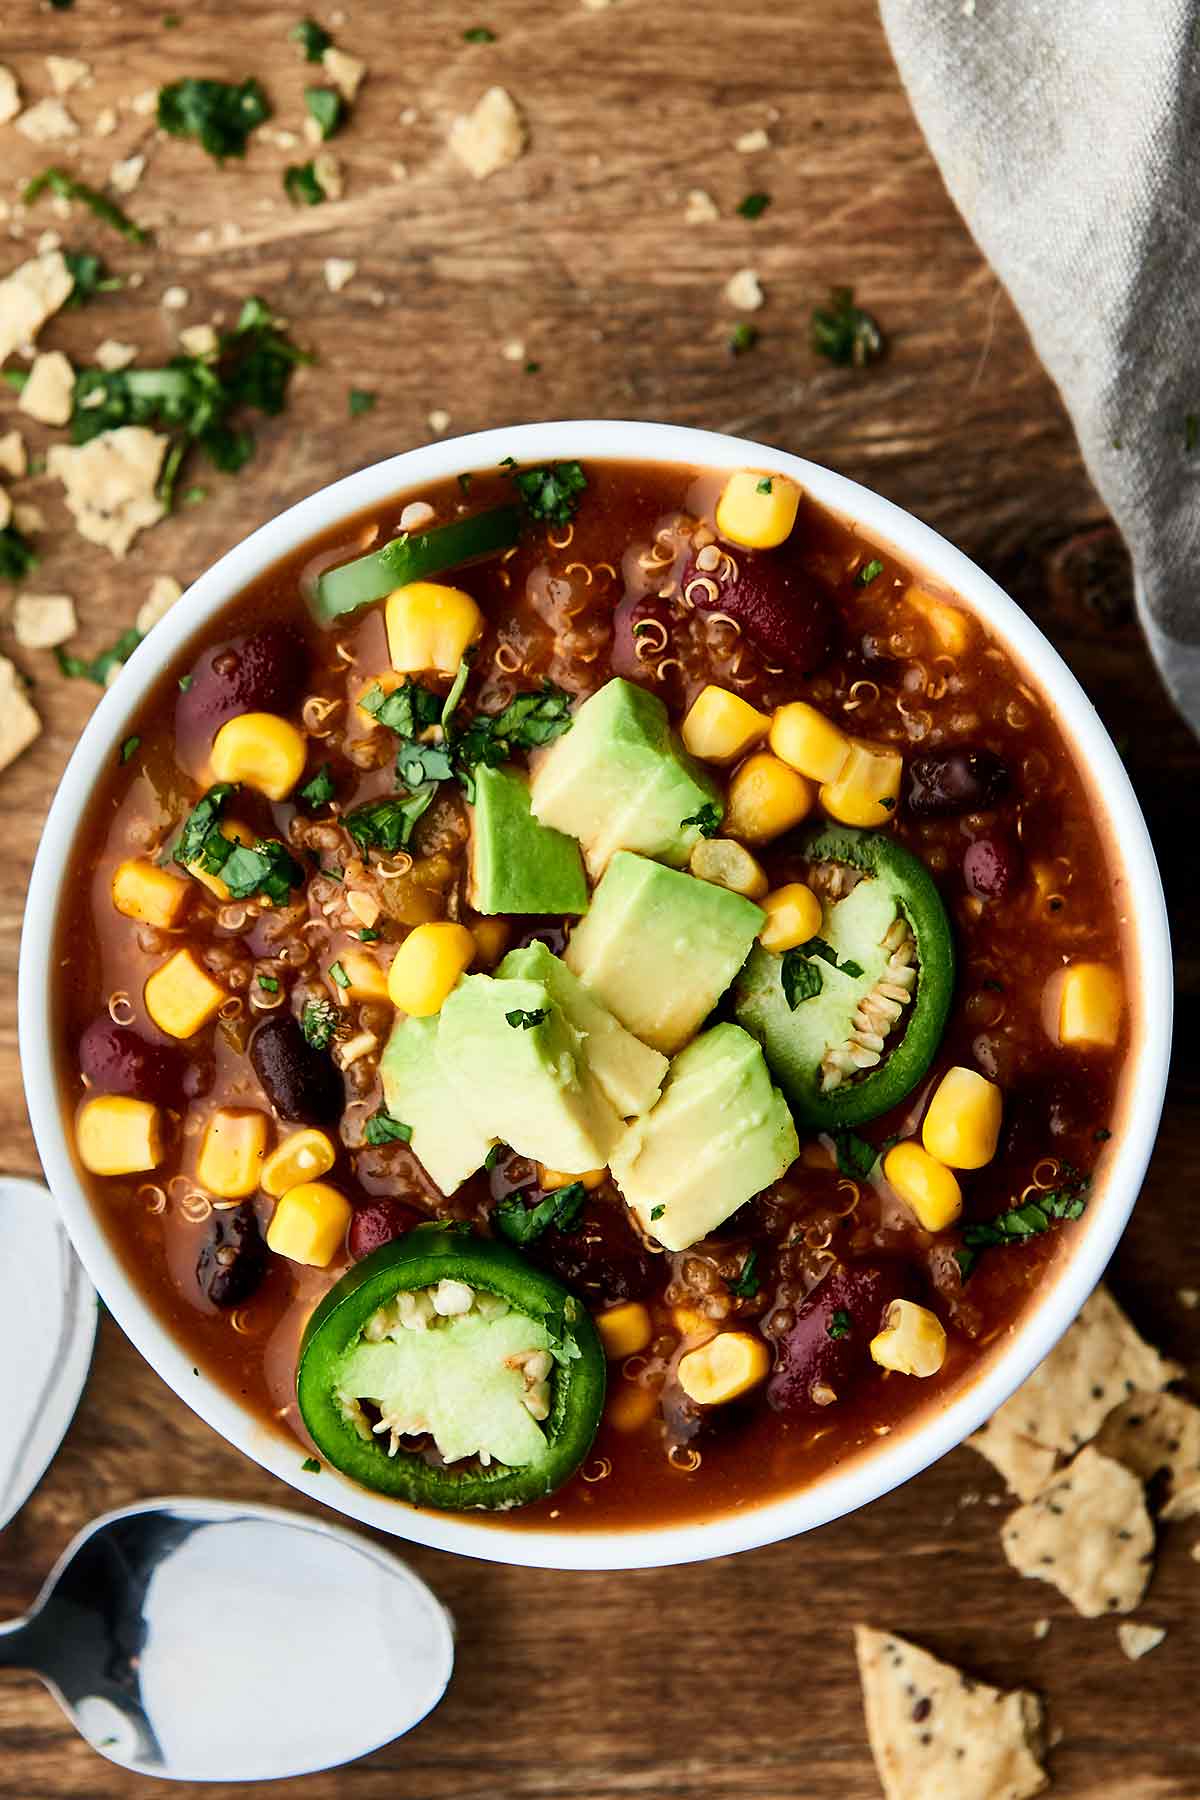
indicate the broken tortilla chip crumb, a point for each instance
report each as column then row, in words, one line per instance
column 1088, row 1534
column 491, row 136
column 1139, row 1640
column 1158, row 1434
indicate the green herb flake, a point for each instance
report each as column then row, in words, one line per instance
column 312, row 38
column 747, row 1284
column 220, row 115
column 327, row 107
column 318, row 790
column 100, row 667
column 381, row 1128
column 826, row 953
column 319, row 1021
column 844, row 334
column 765, row 486
column 310, row 1466
column 195, row 496
column 63, row 186
column 268, row 984
column 129, row 748
column 1020, row 1223
column 367, row 936
column 301, row 186
column 479, row 34
column 523, row 1225
column 89, row 276
column 855, row 1157
column 742, row 338
column 753, row 206
column 707, row 821
column 525, row 1018
column 495, row 1156
column 839, row 1325
column 799, row 978
column 185, row 683
column 551, row 493
column 656, row 1213
column 339, row 975
column 388, row 824
column 360, row 401
column 867, row 574
column 17, row 555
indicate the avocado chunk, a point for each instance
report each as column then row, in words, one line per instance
column 517, row 865
column 621, row 780
column 516, row 1068
column 628, row 1072
column 445, row 1142
column 719, row 1135
column 659, row 948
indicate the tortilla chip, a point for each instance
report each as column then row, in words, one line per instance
column 1100, row 1363
column 1138, row 1640
column 1089, row 1534
column 1156, row 1433
column 937, row 1735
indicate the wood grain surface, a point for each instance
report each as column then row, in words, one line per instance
column 734, row 1680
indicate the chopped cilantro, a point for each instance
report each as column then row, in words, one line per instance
column 800, row 979
column 201, row 821
column 844, row 333
column 747, row 1284
column 707, row 821
column 268, row 984
column 318, row 790
column 765, row 486
column 220, row 115
column 367, row 935
column 90, row 277
column 194, row 496
column 551, row 493
column 301, row 186
column 839, row 1324
column 185, row 682
column 66, row 187
column 319, row 1021
column 495, row 1155
column 418, row 763
column 818, row 947
column 312, row 38
column 855, row 1157
column 656, row 1213
column 265, row 867
column 525, row 1018
column 339, row 975
column 388, row 824
column 753, row 206
column 457, row 687
column 527, row 722
column 532, row 368
column 407, row 710
column 866, row 575
column 310, row 1466
column 100, row 667
column 360, row 401
column 327, row 107
column 17, row 554
column 381, row 1128
column 523, row 1225
column 743, row 337
column 1019, row 1223
column 129, row 748
column 479, row 34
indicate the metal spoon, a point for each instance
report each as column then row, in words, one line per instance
column 203, row 1641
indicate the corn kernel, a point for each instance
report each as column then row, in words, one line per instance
column 962, row 1125
column 237, row 833
column 924, row 1184
column 550, row 1179
column 117, row 1135
column 181, row 996
column 721, row 726
column 366, row 976
column 261, row 749
column 757, row 510
column 231, row 1153
column 304, row 1156
column 309, row 1224
column 949, row 624
column 141, row 890
column 728, row 1366
column 794, row 915
column 806, row 740
column 912, row 1342
column 427, row 966
column 430, row 627
column 690, row 1322
column 729, row 865
column 866, row 791
column 624, row 1330
column 766, row 798
column 1090, row 1006
column 631, row 1406
column 491, row 940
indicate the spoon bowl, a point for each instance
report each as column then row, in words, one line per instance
column 196, row 1640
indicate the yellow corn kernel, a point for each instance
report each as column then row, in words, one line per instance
column 866, row 791
column 304, row 1156
column 912, row 1342
column 367, row 978
column 766, row 798
column 729, row 865
column 117, row 1135
column 309, row 1224
column 237, row 833
column 427, row 965
column 690, row 1322
column 949, row 624
column 266, row 752
column 806, row 740
column 550, row 1179
column 757, row 510
column 721, row 726
column 230, row 1162
column 181, row 996
column 962, row 1125
column 928, row 1186
column 141, row 890
column 430, row 627
column 624, row 1330
column 491, row 940
column 794, row 915
column 1090, row 1006
column 728, row 1366
column 387, row 679
column 631, row 1406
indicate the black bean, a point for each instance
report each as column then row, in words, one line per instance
column 301, row 1083
column 234, row 1258
column 955, row 781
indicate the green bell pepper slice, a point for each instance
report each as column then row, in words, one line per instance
column 449, row 1374
column 791, row 1038
column 414, row 556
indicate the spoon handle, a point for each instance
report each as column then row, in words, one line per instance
column 14, row 1650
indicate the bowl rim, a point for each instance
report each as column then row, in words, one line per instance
column 877, row 1469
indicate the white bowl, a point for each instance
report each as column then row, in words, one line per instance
column 894, row 1460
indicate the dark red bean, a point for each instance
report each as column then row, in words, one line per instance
column 828, row 1348
column 782, row 609
column 378, row 1222
column 301, row 1083
column 233, row 1259
column 117, row 1060
column 603, row 1259
column 992, row 866
column 955, row 781
column 260, row 671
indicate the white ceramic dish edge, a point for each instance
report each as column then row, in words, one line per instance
column 882, row 1468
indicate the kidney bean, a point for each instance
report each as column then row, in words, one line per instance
column 992, row 866
column 828, row 1346
column 300, row 1082
column 378, row 1222
column 259, row 671
column 117, row 1060
column 603, row 1259
column 955, row 781
column 233, row 1259
column 783, row 610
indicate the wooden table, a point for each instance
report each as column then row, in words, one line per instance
column 734, row 1680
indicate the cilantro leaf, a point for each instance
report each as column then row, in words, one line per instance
column 524, row 1225
column 551, row 493
column 319, row 789
column 388, row 824
column 479, row 34
column 407, row 710
column 360, row 401
column 800, row 979
column 855, row 1157
column 220, row 115
column 417, row 763
column 267, row 867
column 526, row 723
column 327, row 107
column 742, row 338
column 707, row 821
column 100, row 667
column 90, row 277
column 819, row 948
column 525, row 1018
column 747, row 1284
column 840, row 1324
column 310, row 1466
column 301, row 186
column 867, row 574
column 54, row 180
column 1019, row 1223
column 130, row 748
column 17, row 555
column 201, row 822
column 381, row 1128
column 844, row 333
column 753, row 206
column 312, row 38
column 319, row 1021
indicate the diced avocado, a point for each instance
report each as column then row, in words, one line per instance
column 445, row 1142
column 458, row 1378
column 629, row 1073
column 517, row 1069
column 719, row 1135
column 621, row 780
column 517, row 865
column 659, row 948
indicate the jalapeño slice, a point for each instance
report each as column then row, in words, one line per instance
column 885, row 950
column 415, row 556
column 447, row 1371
